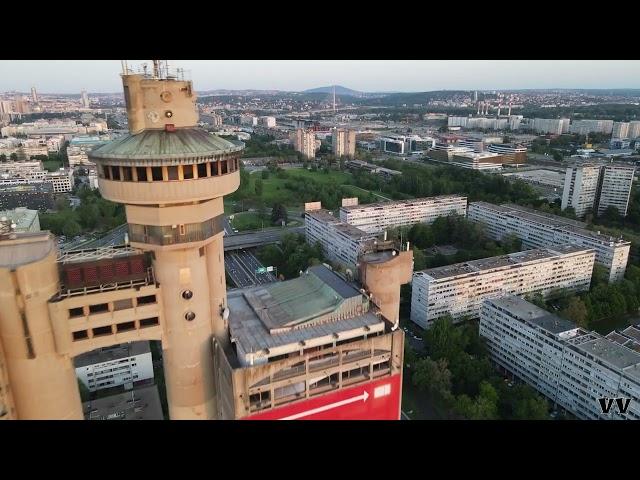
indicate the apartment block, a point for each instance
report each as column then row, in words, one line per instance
column 375, row 217
column 304, row 141
column 539, row 230
column 341, row 242
column 594, row 187
column 572, row 367
column 344, row 142
column 620, row 130
column 114, row 366
column 547, row 125
column 584, row 127
column 458, row 290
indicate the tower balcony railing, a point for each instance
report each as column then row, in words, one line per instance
column 175, row 234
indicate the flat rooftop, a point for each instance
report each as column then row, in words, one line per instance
column 108, row 354
column 518, row 258
column 550, row 220
column 139, row 404
column 544, row 177
column 282, row 313
column 532, row 314
column 611, row 352
column 352, row 231
column 404, row 203
column 23, row 248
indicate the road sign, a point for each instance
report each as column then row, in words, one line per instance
column 269, row 269
column 261, row 270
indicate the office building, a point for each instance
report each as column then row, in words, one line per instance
column 20, row 219
column 341, row 242
column 478, row 161
column 591, row 187
column 619, row 144
column 126, row 364
column 376, row 217
column 304, row 141
column 572, row 367
column 398, row 144
column 372, row 168
column 458, row 290
column 344, row 142
column 512, row 154
column 139, row 404
column 584, row 127
column 540, row 230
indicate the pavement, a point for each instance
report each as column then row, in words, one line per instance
column 242, row 267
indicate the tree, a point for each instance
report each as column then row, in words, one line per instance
column 432, row 376
column 13, row 157
column 3, row 158
column 264, row 174
column 278, row 213
column 557, row 156
column 71, row 229
column 258, row 187
column 576, row 311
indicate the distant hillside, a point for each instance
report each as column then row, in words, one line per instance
column 340, row 90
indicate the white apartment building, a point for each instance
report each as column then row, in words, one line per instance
column 581, row 188
column 620, row 130
column 615, row 187
column 459, row 289
column 540, row 230
column 572, row 367
column 598, row 186
column 554, row 126
column 341, row 242
column 344, row 142
column 584, row 127
column 11, row 169
column 375, row 217
column 634, row 130
column 269, row 122
column 122, row 364
column 304, row 141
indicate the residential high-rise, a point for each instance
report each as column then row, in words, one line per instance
column 539, row 230
column 615, row 187
column 34, row 95
column 584, row 127
column 375, row 217
column 547, row 125
column 84, row 99
column 458, row 290
column 572, row 367
column 594, row 187
column 581, row 188
column 304, row 141
column 344, row 142
column 620, row 130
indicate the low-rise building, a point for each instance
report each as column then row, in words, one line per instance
column 540, row 230
column 125, row 364
column 572, row 367
column 376, row 217
column 459, row 289
column 139, row 404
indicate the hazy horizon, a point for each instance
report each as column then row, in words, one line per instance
column 102, row 76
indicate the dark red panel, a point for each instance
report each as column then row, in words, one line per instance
column 377, row 400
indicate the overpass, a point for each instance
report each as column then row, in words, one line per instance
column 239, row 241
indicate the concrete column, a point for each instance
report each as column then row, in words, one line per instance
column 187, row 345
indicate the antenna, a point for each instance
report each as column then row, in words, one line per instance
column 156, row 68
column 334, row 99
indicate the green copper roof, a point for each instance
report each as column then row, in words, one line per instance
column 183, row 143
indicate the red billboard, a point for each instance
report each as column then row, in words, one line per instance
column 377, row 400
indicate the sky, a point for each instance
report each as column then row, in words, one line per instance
column 72, row 76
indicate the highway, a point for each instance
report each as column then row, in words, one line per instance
column 112, row 237
column 239, row 241
column 242, row 267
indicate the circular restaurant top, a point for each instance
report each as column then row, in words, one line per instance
column 161, row 147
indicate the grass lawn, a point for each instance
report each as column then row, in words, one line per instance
column 52, row 165
column 248, row 221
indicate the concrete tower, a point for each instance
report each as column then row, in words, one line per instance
column 172, row 177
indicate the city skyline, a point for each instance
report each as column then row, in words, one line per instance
column 73, row 76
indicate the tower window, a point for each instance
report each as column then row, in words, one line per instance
column 187, row 172
column 115, row 172
column 214, row 168
column 106, row 172
column 172, row 173
column 81, row 335
column 142, row 174
column 182, row 230
column 156, row 174
column 224, row 168
column 126, row 174
column 202, row 170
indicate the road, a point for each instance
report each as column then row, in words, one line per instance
column 112, row 237
column 242, row 267
column 255, row 239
